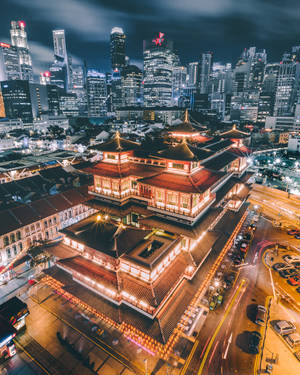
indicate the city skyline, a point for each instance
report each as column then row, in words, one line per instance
column 189, row 25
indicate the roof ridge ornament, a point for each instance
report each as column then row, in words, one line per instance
column 186, row 116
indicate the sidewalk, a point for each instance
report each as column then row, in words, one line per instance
column 17, row 285
column 275, row 345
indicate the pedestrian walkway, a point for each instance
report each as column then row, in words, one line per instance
column 16, row 285
column 40, row 355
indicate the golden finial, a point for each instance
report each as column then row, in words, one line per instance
column 186, row 116
column 234, row 127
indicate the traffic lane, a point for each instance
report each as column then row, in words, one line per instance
column 20, row 364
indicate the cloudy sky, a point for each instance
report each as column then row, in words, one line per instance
column 222, row 26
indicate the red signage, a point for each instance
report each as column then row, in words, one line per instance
column 159, row 40
column 22, row 24
column 5, row 45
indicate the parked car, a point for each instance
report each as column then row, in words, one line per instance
column 284, row 327
column 297, row 236
column 254, row 341
column 292, row 232
column 293, row 339
column 298, row 289
column 261, row 314
column 244, row 246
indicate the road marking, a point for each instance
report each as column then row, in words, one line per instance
column 220, row 325
column 32, row 358
column 94, row 342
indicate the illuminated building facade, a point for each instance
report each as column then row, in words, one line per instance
column 61, row 55
column 144, row 245
column 96, row 93
column 132, row 78
column 19, row 40
column 17, row 100
column 159, row 60
column 9, row 62
column 117, row 48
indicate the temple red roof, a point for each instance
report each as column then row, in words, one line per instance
column 180, row 151
column 122, row 170
column 117, row 144
column 198, row 182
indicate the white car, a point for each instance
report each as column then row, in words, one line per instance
column 283, row 327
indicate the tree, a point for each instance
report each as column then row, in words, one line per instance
column 56, row 132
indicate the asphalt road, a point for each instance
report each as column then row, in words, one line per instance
column 222, row 343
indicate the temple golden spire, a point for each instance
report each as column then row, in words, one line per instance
column 186, row 116
column 234, row 127
column 117, row 138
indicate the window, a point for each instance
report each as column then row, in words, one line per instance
column 20, row 246
column 185, row 201
column 159, row 195
column 6, row 241
column 50, row 222
column 8, row 252
column 45, row 224
column 195, row 200
column 12, row 238
column 37, row 226
column 172, row 198
column 18, row 235
column 110, row 156
column 106, row 184
column 54, row 219
column 15, row 249
column 32, row 228
column 178, row 166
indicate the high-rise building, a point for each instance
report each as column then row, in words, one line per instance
column 159, row 60
column 39, row 99
column 96, row 93
column 193, row 74
column 286, row 89
column 17, row 100
column 179, row 83
column 116, row 91
column 205, row 66
column 19, row 39
column 117, row 48
column 78, row 88
column 68, row 105
column 9, row 62
column 53, row 93
column 265, row 106
column 59, row 73
column 132, row 78
column 270, row 78
column 60, row 50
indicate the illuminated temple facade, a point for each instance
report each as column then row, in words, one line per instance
column 157, row 219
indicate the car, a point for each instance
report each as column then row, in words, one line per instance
column 286, row 274
column 278, row 266
column 297, row 236
column 292, row 232
column 294, row 281
column 247, row 236
column 298, row 289
column 261, row 313
column 289, row 258
column 284, row 327
column 254, row 341
column 244, row 246
column 252, row 227
column 296, row 264
column 297, row 355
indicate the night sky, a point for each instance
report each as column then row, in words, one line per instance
column 225, row 27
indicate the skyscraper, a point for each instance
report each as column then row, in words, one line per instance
column 17, row 100
column 132, row 78
column 117, row 48
column 78, row 88
column 9, row 62
column 60, row 54
column 193, row 76
column 19, row 40
column 96, row 93
column 179, row 82
column 159, row 60
column 286, row 89
column 205, row 66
